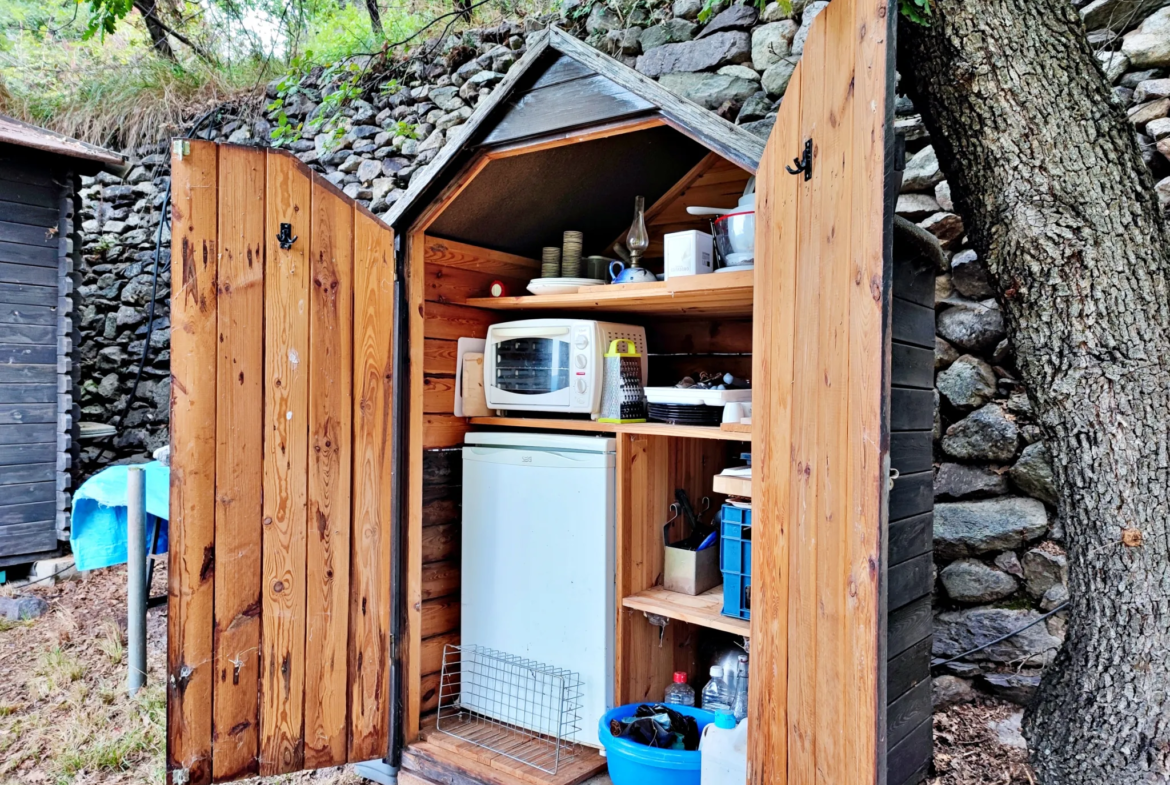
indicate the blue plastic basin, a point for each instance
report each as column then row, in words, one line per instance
column 631, row 763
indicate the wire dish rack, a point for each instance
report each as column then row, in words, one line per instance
column 524, row 710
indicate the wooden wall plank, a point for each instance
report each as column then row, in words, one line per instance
column 452, row 322
column 327, row 549
column 192, row 503
column 239, row 437
column 286, row 447
column 439, row 357
column 369, row 611
column 777, row 215
column 451, row 253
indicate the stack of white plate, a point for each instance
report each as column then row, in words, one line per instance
column 561, row 285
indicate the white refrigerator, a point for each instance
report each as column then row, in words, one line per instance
column 538, row 557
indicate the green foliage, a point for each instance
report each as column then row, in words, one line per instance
column 917, row 11
column 710, row 7
column 104, row 16
column 403, row 128
column 343, row 84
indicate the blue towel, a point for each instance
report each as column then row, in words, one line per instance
column 98, row 524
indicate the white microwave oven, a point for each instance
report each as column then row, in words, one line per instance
column 552, row 365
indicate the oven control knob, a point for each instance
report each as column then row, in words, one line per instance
column 580, row 360
column 582, row 341
column 581, row 386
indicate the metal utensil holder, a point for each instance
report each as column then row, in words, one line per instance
column 524, row 710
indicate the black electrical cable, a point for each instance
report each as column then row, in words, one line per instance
column 163, row 220
column 1001, row 638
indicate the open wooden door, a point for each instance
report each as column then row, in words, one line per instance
column 821, row 383
column 280, row 562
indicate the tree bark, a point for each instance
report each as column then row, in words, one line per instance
column 158, row 33
column 1045, row 170
column 375, row 17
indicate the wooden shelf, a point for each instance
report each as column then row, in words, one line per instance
column 648, row 428
column 703, row 610
column 732, row 486
column 721, row 294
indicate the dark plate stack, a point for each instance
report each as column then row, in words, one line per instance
column 685, row 414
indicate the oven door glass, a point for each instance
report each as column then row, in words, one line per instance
column 532, row 366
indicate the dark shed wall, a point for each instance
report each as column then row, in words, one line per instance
column 911, row 505
column 37, row 247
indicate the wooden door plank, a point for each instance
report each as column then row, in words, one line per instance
column 868, row 26
column 239, row 437
column 192, row 503
column 830, row 51
column 286, row 447
column 369, row 611
column 418, row 435
column 327, row 548
column 777, row 216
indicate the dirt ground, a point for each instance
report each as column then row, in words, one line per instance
column 65, row 717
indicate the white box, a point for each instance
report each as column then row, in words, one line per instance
column 687, row 253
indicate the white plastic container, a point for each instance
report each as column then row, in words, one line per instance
column 687, row 253
column 724, row 752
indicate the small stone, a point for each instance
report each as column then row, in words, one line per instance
column 1151, row 89
column 974, row 326
column 709, row 90
column 807, row 16
column 947, row 227
column 380, row 187
column 956, row 632
column 944, row 354
column 968, row 382
column 1162, row 189
column 922, row 172
column 1018, row 688
column 1114, row 64
column 1010, row 563
column 350, row 164
column 760, row 128
column 1054, row 597
column 773, row 12
column 915, row 207
column 1158, row 129
column 740, row 72
column 771, row 43
column 670, row 32
column 970, row 580
column 1164, row 149
column 754, row 108
column 1008, row 731
column 987, row 434
column 942, row 194
column 602, row 19
column 735, row 17
column 1043, row 569
column 1151, row 110
column 971, row 528
column 1116, row 15
column 944, row 290
column 368, row 169
column 446, row 98
column 433, row 142
column 970, row 275
column 687, row 9
column 959, row 481
column 1147, row 50
column 108, row 387
column 775, row 79
column 22, row 608
column 1032, row 473
column 947, row 691
column 705, row 54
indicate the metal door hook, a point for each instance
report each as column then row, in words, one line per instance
column 804, row 163
column 285, row 237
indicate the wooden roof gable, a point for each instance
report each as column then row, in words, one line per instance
column 609, row 89
column 21, row 134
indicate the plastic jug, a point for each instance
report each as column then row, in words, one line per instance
column 723, row 748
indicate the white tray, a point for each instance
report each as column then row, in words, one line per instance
column 693, row 396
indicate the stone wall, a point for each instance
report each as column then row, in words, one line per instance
column 998, row 554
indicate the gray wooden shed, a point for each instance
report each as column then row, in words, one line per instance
column 39, row 251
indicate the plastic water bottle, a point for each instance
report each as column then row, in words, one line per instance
column 717, row 695
column 680, row 693
column 724, row 752
column 739, row 707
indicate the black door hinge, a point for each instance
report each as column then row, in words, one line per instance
column 804, row 163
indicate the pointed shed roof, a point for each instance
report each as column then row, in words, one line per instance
column 610, row 90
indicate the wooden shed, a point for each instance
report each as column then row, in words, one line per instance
column 316, row 529
column 39, row 248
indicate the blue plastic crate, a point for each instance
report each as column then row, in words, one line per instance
column 737, row 595
column 735, row 550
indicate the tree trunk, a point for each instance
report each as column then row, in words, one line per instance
column 1045, row 170
column 375, row 17
column 158, row 33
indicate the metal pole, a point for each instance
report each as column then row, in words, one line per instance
column 136, row 588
